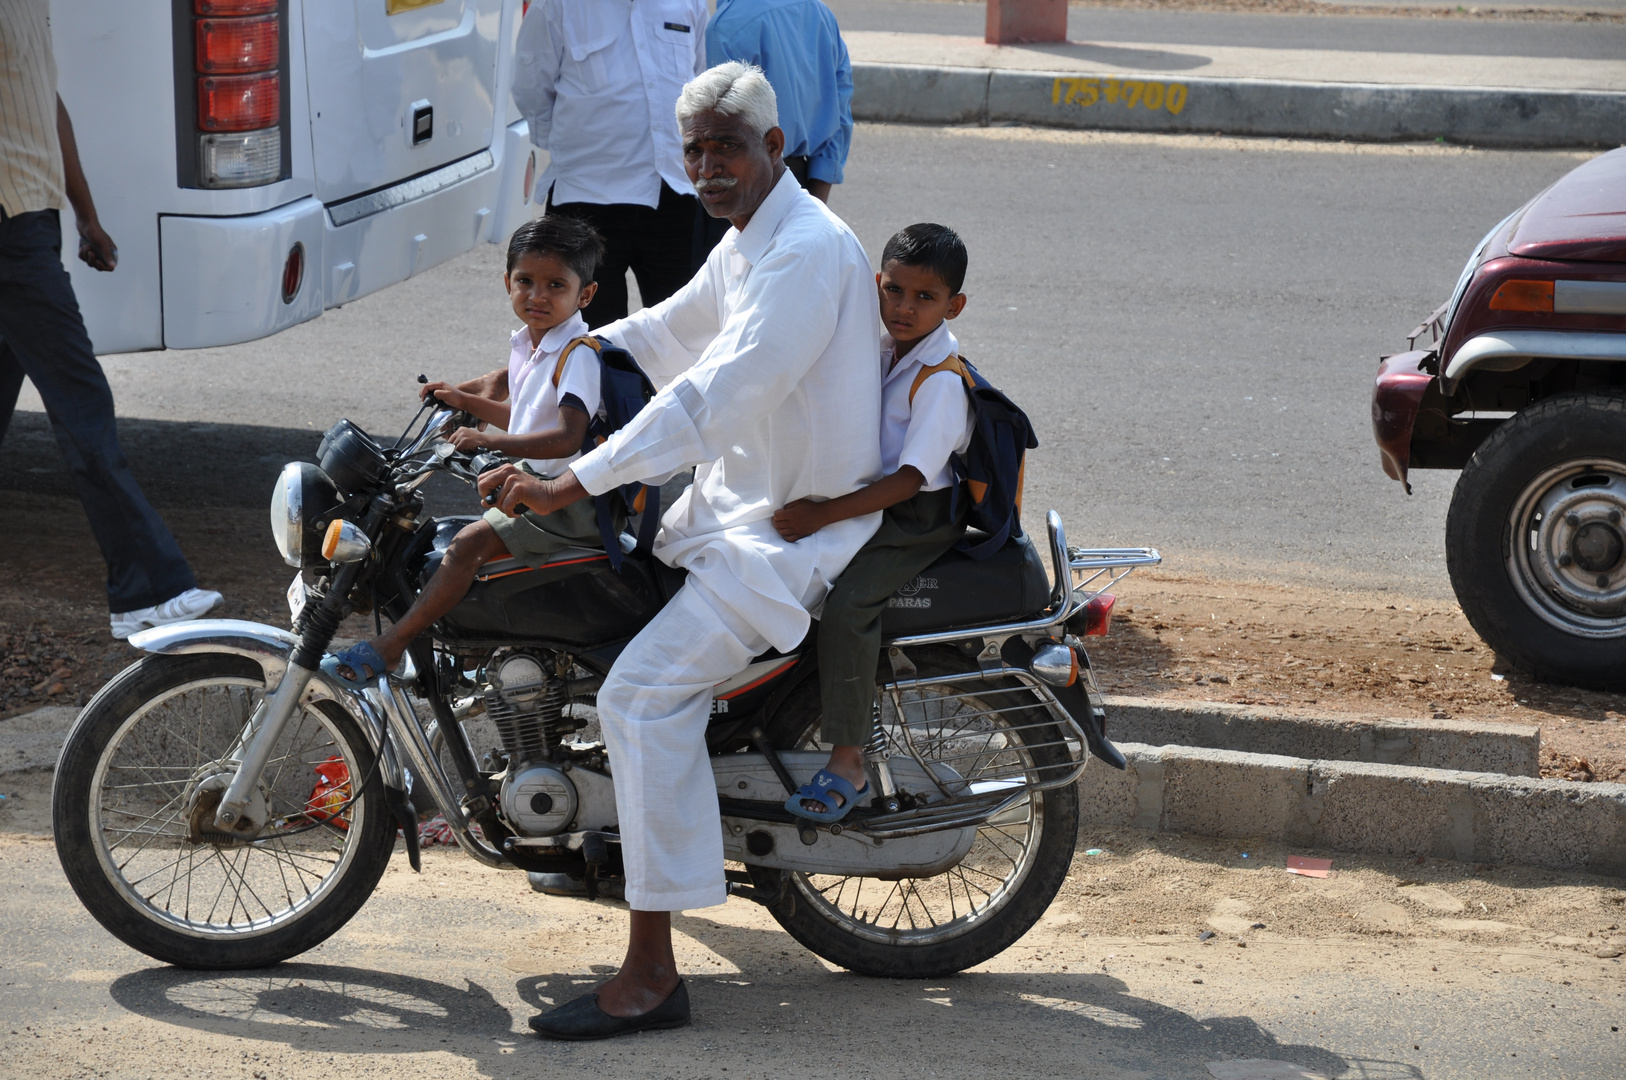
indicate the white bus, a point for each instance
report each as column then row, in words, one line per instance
column 260, row 161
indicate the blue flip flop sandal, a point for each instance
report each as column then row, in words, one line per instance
column 819, row 788
column 358, row 658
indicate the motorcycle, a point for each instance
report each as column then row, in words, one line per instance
column 223, row 803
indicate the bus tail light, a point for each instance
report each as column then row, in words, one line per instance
column 235, row 74
column 240, row 159
column 239, row 102
column 230, row 46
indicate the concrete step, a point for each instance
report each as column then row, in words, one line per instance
column 1469, row 746
column 1360, row 807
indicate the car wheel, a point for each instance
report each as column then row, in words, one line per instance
column 1536, row 540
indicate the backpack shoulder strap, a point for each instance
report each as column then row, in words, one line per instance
column 955, row 364
column 564, row 354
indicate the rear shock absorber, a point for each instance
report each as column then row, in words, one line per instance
column 875, row 754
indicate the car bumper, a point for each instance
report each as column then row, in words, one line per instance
column 1397, row 394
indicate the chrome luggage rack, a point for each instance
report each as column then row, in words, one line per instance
column 1088, row 564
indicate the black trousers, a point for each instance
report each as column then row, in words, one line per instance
column 663, row 246
column 43, row 337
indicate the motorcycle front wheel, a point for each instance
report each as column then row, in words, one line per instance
column 924, row 928
column 132, row 811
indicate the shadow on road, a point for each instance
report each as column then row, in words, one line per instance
column 1117, row 57
column 1049, row 1019
column 185, row 464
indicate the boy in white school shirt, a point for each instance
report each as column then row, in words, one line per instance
column 926, row 418
column 543, row 401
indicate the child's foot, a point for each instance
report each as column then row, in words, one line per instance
column 359, row 665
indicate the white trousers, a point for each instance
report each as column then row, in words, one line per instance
column 653, row 708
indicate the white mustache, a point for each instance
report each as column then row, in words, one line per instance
column 721, row 183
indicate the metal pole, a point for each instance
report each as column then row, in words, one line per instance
column 1013, row 21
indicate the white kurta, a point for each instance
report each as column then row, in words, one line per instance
column 768, row 366
column 770, row 376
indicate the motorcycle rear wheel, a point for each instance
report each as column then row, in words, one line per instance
column 936, row 926
column 128, row 829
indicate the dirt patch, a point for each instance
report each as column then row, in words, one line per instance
column 1343, row 651
column 55, row 648
column 1179, row 888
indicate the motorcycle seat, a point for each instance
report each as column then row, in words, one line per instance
column 958, row 591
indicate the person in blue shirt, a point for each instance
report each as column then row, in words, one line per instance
column 798, row 45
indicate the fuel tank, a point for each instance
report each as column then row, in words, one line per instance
column 575, row 600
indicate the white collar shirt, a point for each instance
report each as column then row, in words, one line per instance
column 597, row 81
column 533, row 398
column 768, row 364
column 936, row 425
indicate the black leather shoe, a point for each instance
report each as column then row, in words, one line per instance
column 582, row 1019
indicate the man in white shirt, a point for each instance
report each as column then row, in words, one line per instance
column 768, row 364
column 596, row 80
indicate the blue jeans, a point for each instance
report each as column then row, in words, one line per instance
column 43, row 337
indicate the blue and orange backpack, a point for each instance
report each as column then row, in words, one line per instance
column 624, row 390
column 990, row 470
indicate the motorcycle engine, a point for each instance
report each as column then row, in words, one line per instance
column 525, row 701
column 538, row 800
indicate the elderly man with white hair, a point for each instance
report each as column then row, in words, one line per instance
column 768, row 364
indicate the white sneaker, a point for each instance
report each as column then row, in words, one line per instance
column 189, row 605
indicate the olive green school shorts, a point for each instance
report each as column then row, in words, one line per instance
column 535, row 538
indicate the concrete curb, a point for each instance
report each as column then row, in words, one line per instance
column 1510, row 749
column 1367, row 112
column 1361, row 807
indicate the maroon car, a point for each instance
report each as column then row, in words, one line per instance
column 1522, row 386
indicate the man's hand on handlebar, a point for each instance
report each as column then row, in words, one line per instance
column 513, row 491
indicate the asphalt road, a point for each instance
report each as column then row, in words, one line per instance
column 1353, row 32
column 1192, row 324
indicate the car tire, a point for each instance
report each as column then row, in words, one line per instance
column 1536, row 540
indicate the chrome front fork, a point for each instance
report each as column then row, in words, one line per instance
column 265, row 727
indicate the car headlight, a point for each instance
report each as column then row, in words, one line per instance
column 302, row 502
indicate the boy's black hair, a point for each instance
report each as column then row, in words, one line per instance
column 575, row 242
column 937, row 248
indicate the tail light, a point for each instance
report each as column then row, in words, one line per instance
column 236, row 78
column 233, row 46
column 1096, row 617
column 239, row 102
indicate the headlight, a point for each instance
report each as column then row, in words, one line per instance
column 302, row 502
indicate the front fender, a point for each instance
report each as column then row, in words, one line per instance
column 268, row 646
column 1396, row 395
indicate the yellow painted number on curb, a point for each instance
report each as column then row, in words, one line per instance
column 1125, row 92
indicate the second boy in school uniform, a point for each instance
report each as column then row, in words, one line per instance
column 925, row 420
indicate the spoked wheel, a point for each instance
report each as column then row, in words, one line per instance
column 133, row 812
column 986, row 732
